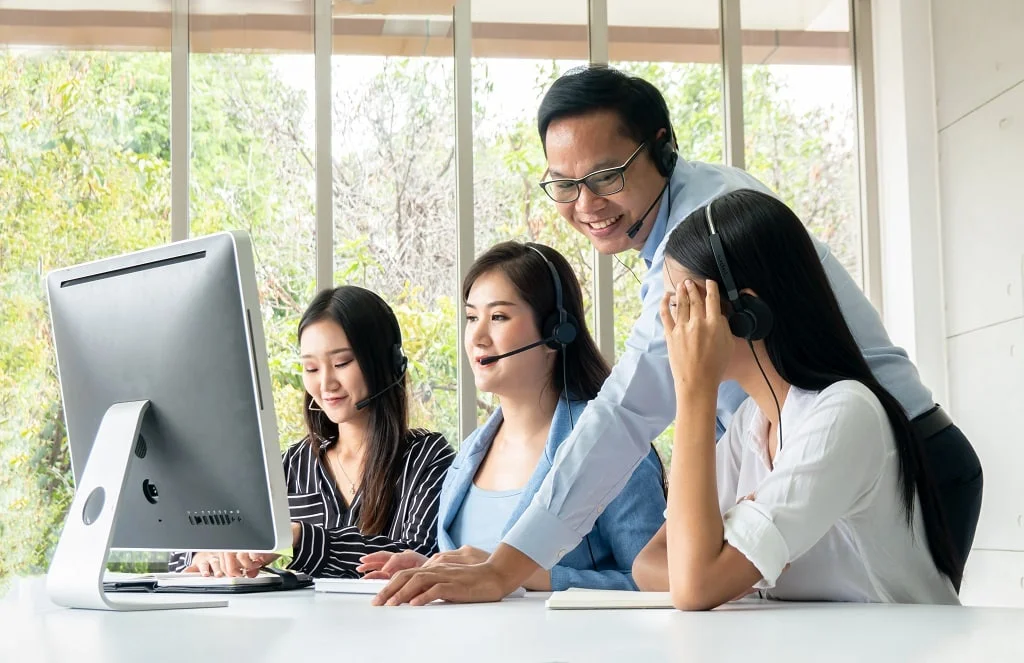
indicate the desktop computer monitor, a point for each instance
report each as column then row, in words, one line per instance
column 170, row 418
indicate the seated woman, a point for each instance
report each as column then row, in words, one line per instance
column 521, row 296
column 361, row 480
column 817, row 490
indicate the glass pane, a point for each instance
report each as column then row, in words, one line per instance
column 798, row 115
column 394, row 188
column 84, row 174
column 519, row 49
column 252, row 165
column 677, row 48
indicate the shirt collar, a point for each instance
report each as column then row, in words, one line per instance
column 326, row 443
column 757, row 432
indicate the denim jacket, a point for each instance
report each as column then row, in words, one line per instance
column 604, row 559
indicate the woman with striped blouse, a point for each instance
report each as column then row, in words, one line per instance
column 361, row 481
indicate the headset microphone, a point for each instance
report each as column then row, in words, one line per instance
column 635, row 228
column 399, row 362
column 369, row 399
column 490, row 360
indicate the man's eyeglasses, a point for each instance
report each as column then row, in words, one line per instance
column 602, row 182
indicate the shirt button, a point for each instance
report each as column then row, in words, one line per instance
column 561, row 553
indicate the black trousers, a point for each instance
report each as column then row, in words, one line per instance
column 957, row 472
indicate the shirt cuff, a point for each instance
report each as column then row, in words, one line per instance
column 560, row 579
column 310, row 555
column 178, row 562
column 750, row 530
column 541, row 536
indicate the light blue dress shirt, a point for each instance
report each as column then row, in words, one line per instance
column 637, row 402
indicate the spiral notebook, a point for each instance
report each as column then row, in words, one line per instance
column 607, row 599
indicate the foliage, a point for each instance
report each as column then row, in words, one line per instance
column 80, row 177
column 85, row 173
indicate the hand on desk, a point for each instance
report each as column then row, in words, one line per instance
column 491, row 580
column 383, row 564
column 459, row 583
column 463, row 555
column 230, row 564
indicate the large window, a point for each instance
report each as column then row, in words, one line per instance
column 678, row 49
column 393, row 177
column 252, row 162
column 798, row 115
column 87, row 119
column 519, row 49
column 84, row 174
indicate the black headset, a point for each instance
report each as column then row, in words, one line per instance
column 662, row 150
column 664, row 154
column 560, row 328
column 399, row 362
column 751, row 317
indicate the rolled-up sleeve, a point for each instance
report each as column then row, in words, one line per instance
column 636, row 403
column 750, row 530
column 822, row 473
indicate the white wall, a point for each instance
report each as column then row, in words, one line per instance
column 950, row 111
column 979, row 84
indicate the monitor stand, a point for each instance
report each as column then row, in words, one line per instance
column 75, row 578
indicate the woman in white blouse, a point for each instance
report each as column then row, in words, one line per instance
column 817, row 489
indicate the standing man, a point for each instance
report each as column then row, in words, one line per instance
column 615, row 176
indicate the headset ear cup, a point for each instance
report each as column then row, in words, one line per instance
column 548, row 329
column 753, row 318
column 664, row 156
column 399, row 361
column 565, row 332
column 560, row 333
column 741, row 324
column 669, row 158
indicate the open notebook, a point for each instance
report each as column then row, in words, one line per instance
column 268, row 580
column 607, row 599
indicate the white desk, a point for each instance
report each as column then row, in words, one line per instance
column 292, row 626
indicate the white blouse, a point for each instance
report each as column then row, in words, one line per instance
column 830, row 507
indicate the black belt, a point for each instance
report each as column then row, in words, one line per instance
column 931, row 422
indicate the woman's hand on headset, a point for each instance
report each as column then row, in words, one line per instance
column 697, row 335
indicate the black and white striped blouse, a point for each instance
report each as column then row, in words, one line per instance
column 331, row 544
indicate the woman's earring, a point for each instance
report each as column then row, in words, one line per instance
column 313, row 407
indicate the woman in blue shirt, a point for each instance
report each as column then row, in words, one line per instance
column 523, row 304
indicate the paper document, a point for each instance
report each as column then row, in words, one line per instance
column 607, row 599
column 349, row 585
column 364, row 586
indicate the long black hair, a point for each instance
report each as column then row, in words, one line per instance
column 373, row 332
column 585, row 366
column 770, row 252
